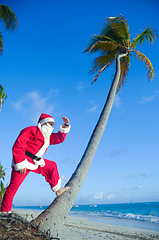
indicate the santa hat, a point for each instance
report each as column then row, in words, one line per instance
column 44, row 118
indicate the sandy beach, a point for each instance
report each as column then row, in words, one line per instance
column 82, row 228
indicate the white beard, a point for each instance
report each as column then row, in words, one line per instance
column 47, row 130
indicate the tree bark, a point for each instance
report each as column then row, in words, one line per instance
column 54, row 216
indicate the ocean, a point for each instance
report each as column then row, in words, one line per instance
column 147, row 212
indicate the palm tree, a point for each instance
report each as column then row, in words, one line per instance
column 2, row 188
column 8, row 17
column 3, row 96
column 2, row 191
column 113, row 44
column 2, row 172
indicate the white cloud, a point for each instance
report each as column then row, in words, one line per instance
column 125, row 175
column 36, row 200
column 54, row 91
column 80, row 86
column 117, row 101
column 64, row 179
column 98, row 195
column 33, row 104
column 111, row 194
column 139, row 187
column 93, row 109
column 149, row 99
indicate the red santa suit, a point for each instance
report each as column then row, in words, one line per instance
column 35, row 141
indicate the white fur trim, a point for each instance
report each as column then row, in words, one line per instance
column 39, row 126
column 24, row 164
column 64, row 130
column 45, row 120
column 21, row 165
column 42, row 150
column 58, row 186
column 7, row 212
column 40, row 163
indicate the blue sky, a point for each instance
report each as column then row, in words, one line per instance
column 42, row 69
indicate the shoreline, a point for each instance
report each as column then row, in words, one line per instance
column 83, row 227
column 122, row 222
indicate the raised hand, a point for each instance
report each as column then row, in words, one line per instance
column 66, row 120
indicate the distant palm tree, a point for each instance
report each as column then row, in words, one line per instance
column 113, row 44
column 2, row 191
column 2, row 188
column 3, row 96
column 8, row 17
column 2, row 172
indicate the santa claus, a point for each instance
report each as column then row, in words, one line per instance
column 28, row 151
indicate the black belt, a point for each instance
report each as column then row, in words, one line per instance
column 32, row 156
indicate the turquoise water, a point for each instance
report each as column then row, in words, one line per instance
column 147, row 212
column 142, row 212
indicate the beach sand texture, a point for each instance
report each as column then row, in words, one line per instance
column 81, row 228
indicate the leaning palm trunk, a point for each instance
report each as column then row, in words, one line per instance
column 54, row 216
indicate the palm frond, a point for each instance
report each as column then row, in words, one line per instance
column 102, row 46
column 118, row 29
column 101, row 61
column 101, row 70
column 140, row 56
column 1, row 43
column 3, row 95
column 124, row 66
column 8, row 17
column 101, row 41
column 2, row 186
column 148, row 34
column 113, row 40
column 2, row 172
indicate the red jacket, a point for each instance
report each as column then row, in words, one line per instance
column 32, row 140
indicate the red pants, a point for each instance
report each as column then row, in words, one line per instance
column 49, row 171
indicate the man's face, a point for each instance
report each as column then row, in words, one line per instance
column 50, row 123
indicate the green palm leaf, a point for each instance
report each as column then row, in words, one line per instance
column 3, row 96
column 121, row 29
column 101, row 70
column 149, row 34
column 117, row 29
column 141, row 57
column 101, row 43
column 8, row 17
column 113, row 40
column 101, row 61
column 2, row 172
column 2, row 190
